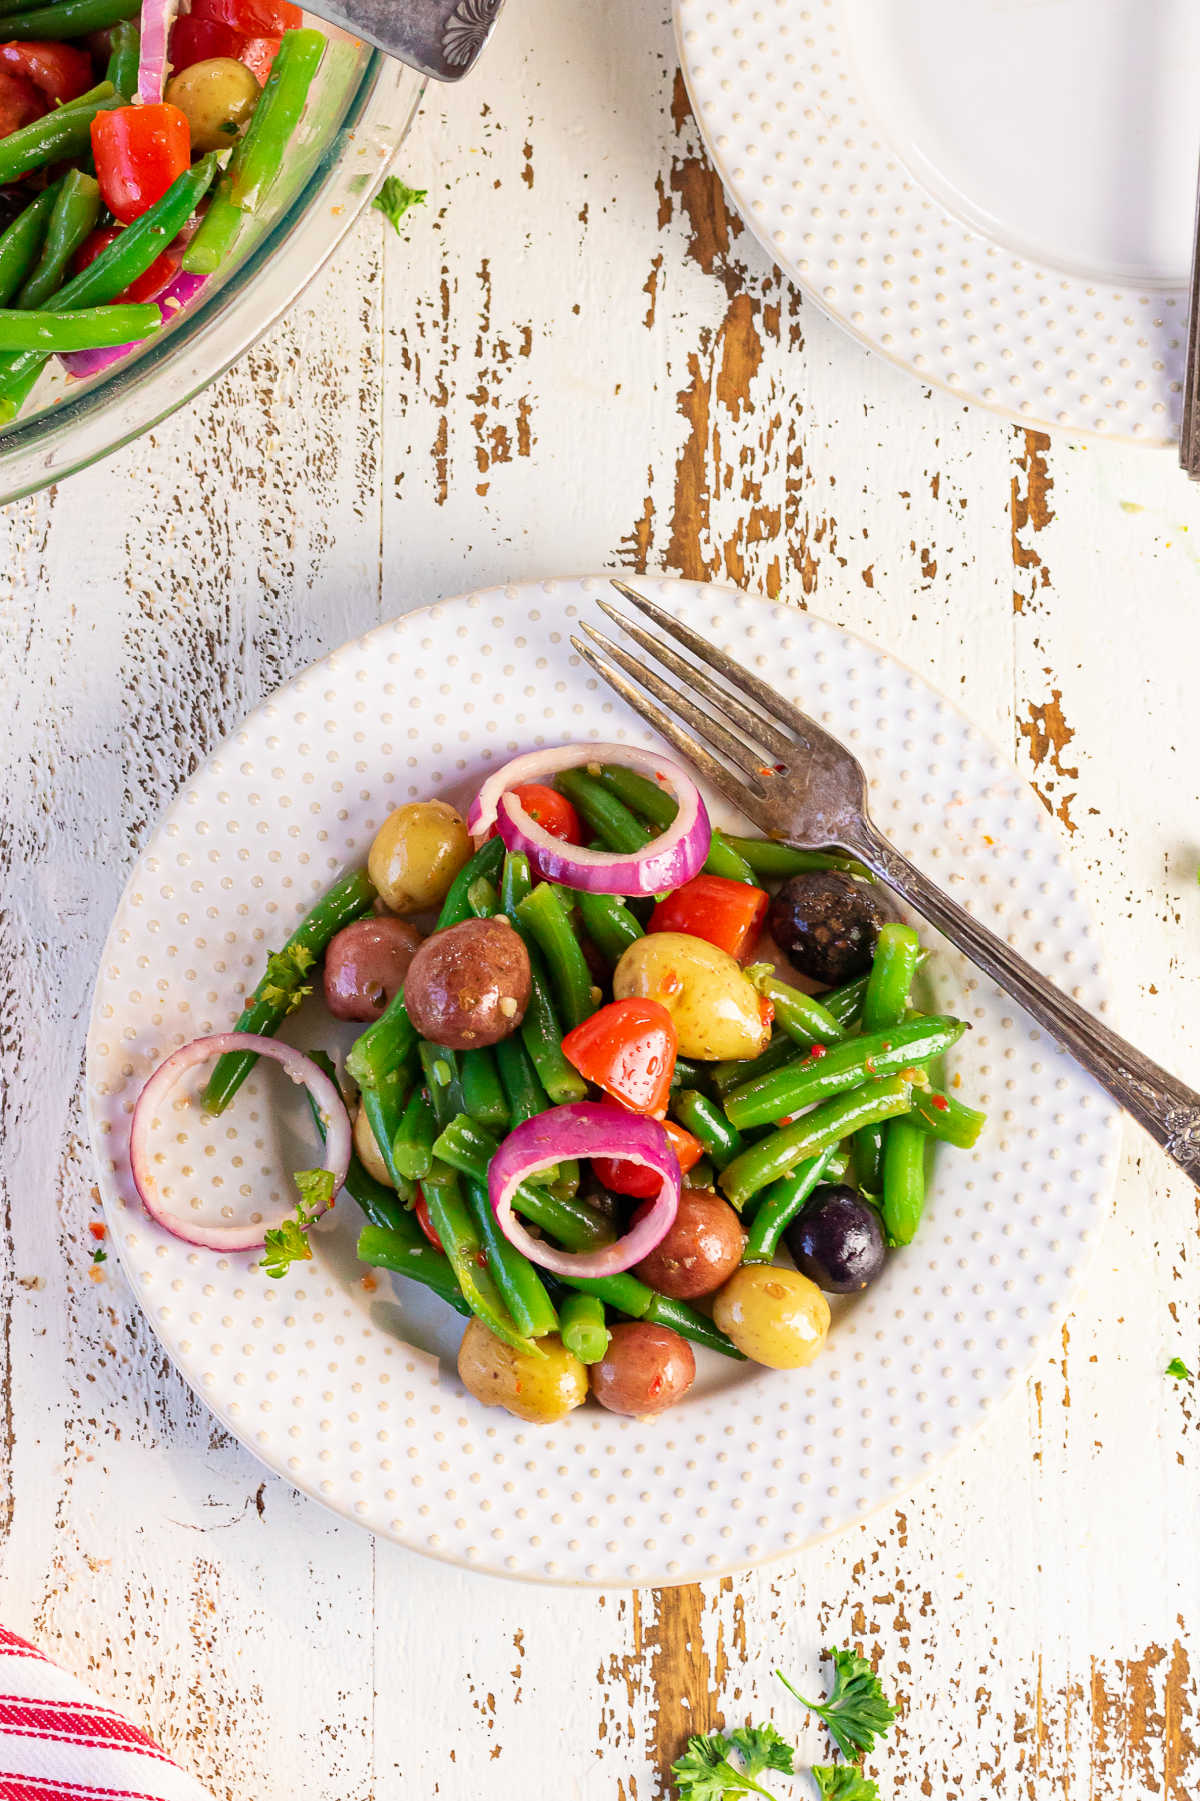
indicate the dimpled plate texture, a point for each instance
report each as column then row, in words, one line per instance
column 804, row 154
column 350, row 1392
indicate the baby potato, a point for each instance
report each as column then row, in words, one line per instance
column 418, row 851
column 216, row 97
column 369, row 1154
column 776, row 1316
column 716, row 1009
column 538, row 1389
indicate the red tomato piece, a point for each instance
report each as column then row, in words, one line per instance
column 253, row 18
column 258, row 54
column 20, row 103
column 59, row 72
column 628, row 1049
column 728, row 914
column 551, row 810
column 421, row 1209
column 149, row 285
column 139, row 152
column 198, row 40
column 620, row 1176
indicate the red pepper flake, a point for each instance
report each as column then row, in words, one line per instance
column 98, row 1229
column 869, row 1065
column 817, row 1052
column 887, row 1044
column 369, row 1283
column 941, row 1103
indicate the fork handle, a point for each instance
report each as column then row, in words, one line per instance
column 1166, row 1107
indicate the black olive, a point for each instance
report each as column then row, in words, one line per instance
column 837, row 1240
column 827, row 924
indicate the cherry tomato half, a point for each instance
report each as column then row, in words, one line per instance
column 728, row 914
column 59, row 72
column 620, row 1176
column 139, row 152
column 628, row 1049
column 149, row 285
column 421, row 1209
column 20, row 103
column 253, row 18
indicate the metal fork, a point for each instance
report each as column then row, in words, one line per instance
column 801, row 787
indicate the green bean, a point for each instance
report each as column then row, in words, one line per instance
column 520, row 1286
column 460, row 1240
column 259, row 153
column 67, row 19
column 384, row 1046
column 283, row 985
column 779, row 1204
column 380, row 1205
column 516, row 881
column 523, row 1092
column 654, row 804
column 466, row 1147
column 705, row 1121
column 403, row 1249
column 90, row 328
column 482, row 1094
column 16, row 392
column 702, row 1174
column 76, row 209
column 738, row 1071
column 582, row 1327
column 384, row 1107
column 485, row 862
column 774, row 861
column 609, row 924
column 689, row 1074
column 21, row 242
column 483, row 900
column 605, row 815
column 845, row 1004
column 885, row 1003
column 627, row 1294
column 941, row 1116
column 846, row 1065
column 543, row 916
column 542, row 1037
column 779, row 1153
column 903, row 1180
column 798, row 1014
column 412, row 1147
column 128, row 256
column 60, row 136
column 124, row 52
column 443, row 1083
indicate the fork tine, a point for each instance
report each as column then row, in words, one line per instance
column 742, row 756
column 751, row 725
column 734, row 672
column 716, row 773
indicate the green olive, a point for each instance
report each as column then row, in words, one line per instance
column 539, row 1389
column 776, row 1316
column 369, row 1154
column 216, row 97
column 717, row 1012
column 418, row 851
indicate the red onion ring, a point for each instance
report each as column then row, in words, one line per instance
column 202, row 1050
column 157, row 18
column 586, row 1129
column 669, row 860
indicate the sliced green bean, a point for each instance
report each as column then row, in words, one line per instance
column 21, row 242
column 544, row 916
column 523, row 1092
column 485, row 862
column 67, row 19
column 800, row 1015
column 609, row 924
column 461, row 1242
column 582, row 1327
column 466, row 1147
column 384, row 1107
column 605, row 815
column 382, row 1206
column 287, row 979
column 518, row 1282
column 845, row 1004
column 941, row 1116
column 776, row 862
column 482, row 1093
column 412, row 1147
column 59, row 136
column 702, row 1174
column 903, row 1180
column 384, row 1046
column 885, row 1003
column 779, row 1204
column 483, row 899
column 542, row 1037
column 516, row 880
column 689, row 1074
column 705, row 1121
column 89, row 328
column 778, row 1154
column 725, row 1077
column 844, row 1066
column 627, row 1294
column 403, row 1249
column 654, row 804
column 76, row 209
column 443, row 1083
column 125, row 42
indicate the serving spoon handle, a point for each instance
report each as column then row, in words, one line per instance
column 441, row 38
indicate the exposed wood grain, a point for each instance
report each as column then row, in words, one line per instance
column 578, row 357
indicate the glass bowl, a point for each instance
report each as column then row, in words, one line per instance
column 359, row 111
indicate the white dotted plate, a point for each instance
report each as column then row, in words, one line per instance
column 997, row 198
column 350, row 1392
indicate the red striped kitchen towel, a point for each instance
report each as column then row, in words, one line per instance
column 58, row 1743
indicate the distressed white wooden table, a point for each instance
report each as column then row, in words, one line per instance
column 577, row 358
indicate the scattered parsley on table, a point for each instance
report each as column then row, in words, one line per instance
column 842, row 1782
column 395, row 198
column 857, row 1711
column 1179, row 1369
column 706, row 1771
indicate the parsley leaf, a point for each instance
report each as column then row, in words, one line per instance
column 842, row 1782
column 287, row 1243
column 1179, row 1369
column 706, row 1773
column 99, row 1256
column 282, row 985
column 857, row 1711
column 395, row 197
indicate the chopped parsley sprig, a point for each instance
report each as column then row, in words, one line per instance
column 857, row 1711
column 395, row 198
column 707, row 1772
column 842, row 1782
column 1179, row 1369
column 287, row 1243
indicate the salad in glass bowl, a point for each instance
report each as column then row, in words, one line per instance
column 614, row 1067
